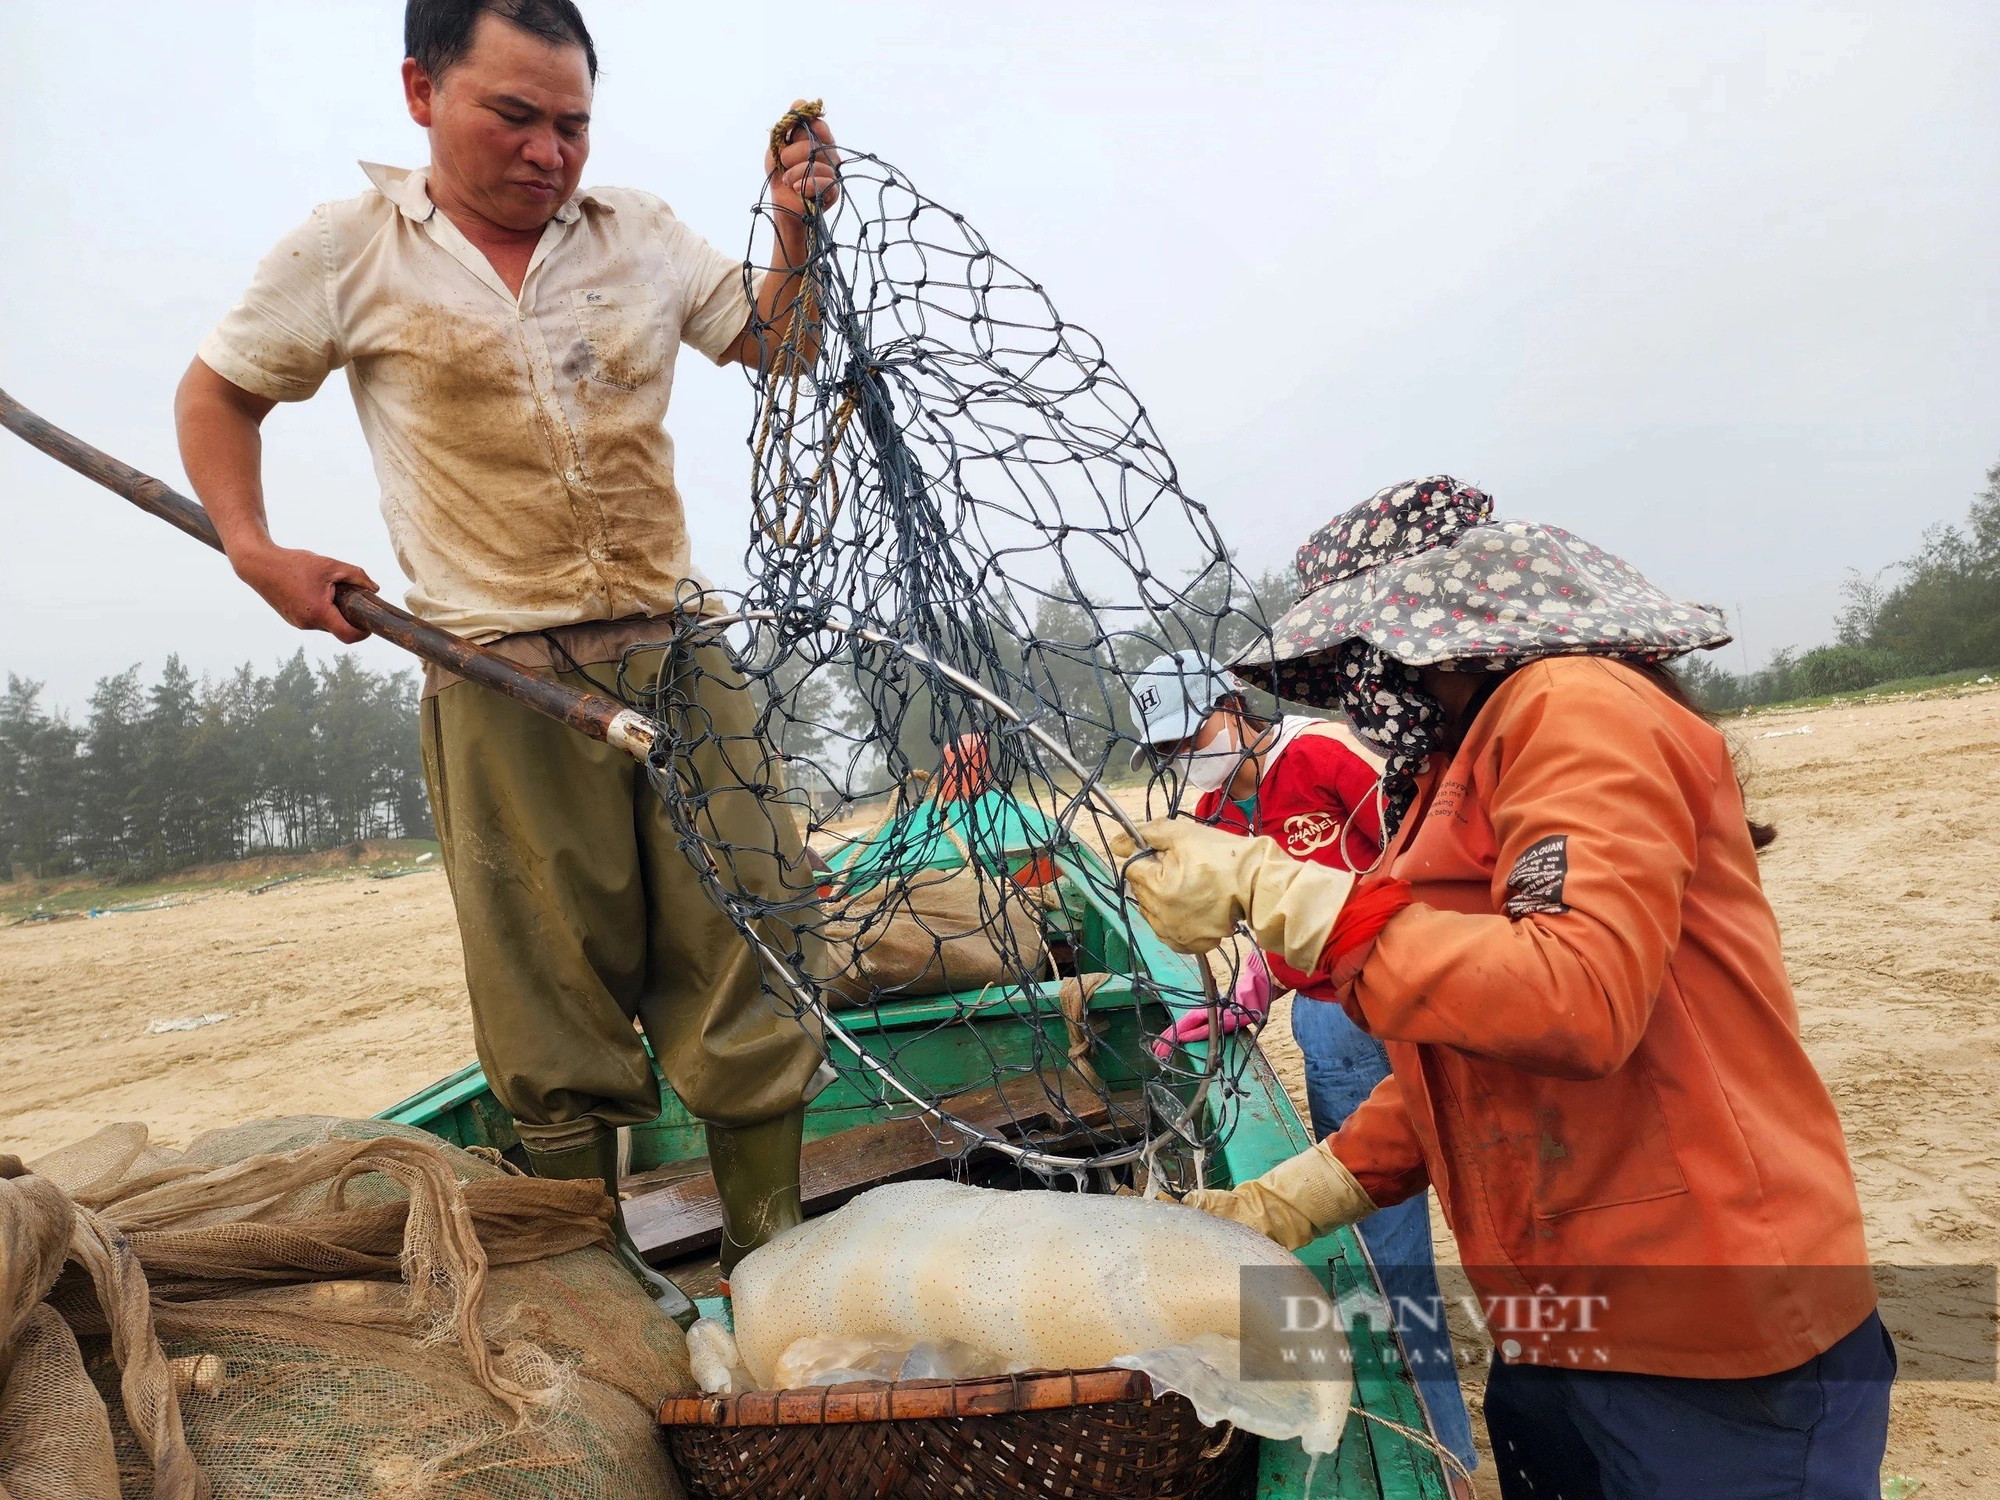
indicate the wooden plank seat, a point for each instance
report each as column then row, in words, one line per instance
column 673, row 1213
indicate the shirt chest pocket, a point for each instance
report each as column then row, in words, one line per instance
column 625, row 330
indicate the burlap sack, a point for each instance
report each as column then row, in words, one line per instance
column 55, row 1438
column 937, row 932
column 336, row 1309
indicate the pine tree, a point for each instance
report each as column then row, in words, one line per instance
column 39, row 785
column 109, row 779
column 288, row 755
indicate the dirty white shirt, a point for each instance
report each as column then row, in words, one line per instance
column 526, row 476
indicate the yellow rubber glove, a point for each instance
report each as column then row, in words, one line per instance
column 1202, row 881
column 1294, row 1203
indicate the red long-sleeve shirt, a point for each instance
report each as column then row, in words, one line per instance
column 1317, row 800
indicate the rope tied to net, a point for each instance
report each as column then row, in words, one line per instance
column 792, row 367
column 1073, row 999
column 805, row 113
column 825, row 471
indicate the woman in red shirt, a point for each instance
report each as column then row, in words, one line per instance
column 1312, row 786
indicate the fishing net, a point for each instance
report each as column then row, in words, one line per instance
column 319, row 1309
column 967, row 540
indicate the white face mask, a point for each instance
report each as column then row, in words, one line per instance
column 1212, row 767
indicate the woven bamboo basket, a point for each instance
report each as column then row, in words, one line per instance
column 1080, row 1434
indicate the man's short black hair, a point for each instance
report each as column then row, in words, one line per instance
column 438, row 33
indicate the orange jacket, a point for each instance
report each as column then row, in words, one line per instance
column 1595, row 1051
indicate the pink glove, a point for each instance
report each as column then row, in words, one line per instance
column 1251, row 1000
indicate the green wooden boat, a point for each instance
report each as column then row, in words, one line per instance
column 951, row 1045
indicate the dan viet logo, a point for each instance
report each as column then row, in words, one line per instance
column 1595, row 1317
column 1310, row 1334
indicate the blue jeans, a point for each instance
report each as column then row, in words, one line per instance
column 1343, row 1065
column 1816, row 1432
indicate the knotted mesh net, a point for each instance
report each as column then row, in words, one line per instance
column 897, row 754
column 310, row 1308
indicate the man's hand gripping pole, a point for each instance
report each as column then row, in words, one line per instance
column 588, row 713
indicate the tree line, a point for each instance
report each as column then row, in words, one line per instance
column 1936, row 612
column 183, row 772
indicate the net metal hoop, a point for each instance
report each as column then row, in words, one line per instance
column 967, row 536
column 1026, row 1156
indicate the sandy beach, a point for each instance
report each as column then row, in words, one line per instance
column 343, row 994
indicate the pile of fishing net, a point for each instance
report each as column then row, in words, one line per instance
column 320, row 1309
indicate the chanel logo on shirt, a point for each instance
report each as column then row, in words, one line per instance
column 1305, row 832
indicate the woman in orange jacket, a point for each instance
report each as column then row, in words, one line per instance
column 1594, row 1049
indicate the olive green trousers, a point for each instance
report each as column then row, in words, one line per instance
column 580, row 914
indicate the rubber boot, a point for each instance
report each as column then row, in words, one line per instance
column 757, row 1181
column 599, row 1159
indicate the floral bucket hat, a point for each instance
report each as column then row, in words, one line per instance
column 1422, row 573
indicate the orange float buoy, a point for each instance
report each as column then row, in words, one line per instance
column 965, row 770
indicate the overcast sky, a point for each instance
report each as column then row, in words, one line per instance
column 1712, row 285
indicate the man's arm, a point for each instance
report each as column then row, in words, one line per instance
column 795, row 174
column 222, row 449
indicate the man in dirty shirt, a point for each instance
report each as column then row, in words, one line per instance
column 510, row 342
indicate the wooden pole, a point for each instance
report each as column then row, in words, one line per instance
column 588, row 713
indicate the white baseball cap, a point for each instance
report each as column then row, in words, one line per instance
column 1173, row 695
